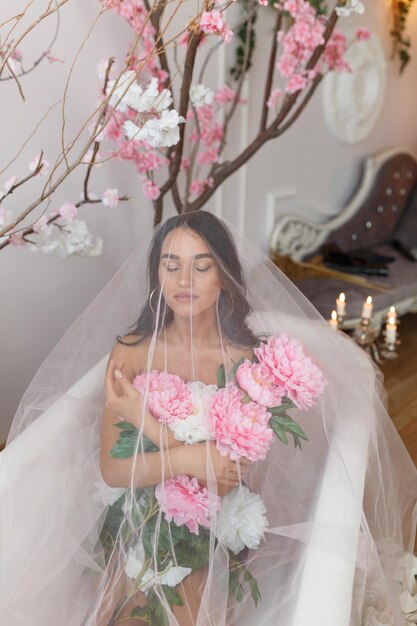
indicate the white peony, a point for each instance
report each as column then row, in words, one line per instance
column 195, row 427
column 107, row 495
column 200, row 95
column 350, row 6
column 171, row 576
column 241, row 521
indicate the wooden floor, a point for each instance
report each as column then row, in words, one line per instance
column 401, row 384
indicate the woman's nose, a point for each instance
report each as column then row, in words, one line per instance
column 185, row 277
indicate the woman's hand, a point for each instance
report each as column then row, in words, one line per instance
column 120, row 395
column 206, row 463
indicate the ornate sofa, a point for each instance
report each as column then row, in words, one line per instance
column 382, row 217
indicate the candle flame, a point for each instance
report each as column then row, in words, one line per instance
column 342, row 297
column 391, row 320
column 369, row 299
column 392, row 309
column 334, row 315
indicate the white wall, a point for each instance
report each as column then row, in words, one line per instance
column 41, row 295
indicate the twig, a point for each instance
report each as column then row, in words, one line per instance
column 271, row 67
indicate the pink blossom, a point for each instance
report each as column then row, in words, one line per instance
column 183, row 500
column 150, row 189
column 296, row 83
column 35, row 163
column 239, row 428
column 40, row 224
column 334, row 51
column 197, row 187
column 9, row 183
column 224, row 95
column 256, row 380
column 17, row 240
column 363, row 34
column 211, row 22
column 68, row 212
column 292, row 369
column 275, row 95
column 111, row 198
column 168, row 396
column 185, row 163
column 208, row 157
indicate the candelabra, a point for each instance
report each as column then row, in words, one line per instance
column 366, row 335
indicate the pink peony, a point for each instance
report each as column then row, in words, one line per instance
column 183, row 500
column 168, row 397
column 291, row 368
column 256, row 380
column 240, row 429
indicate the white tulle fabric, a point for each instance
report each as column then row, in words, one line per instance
column 341, row 512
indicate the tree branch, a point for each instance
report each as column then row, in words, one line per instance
column 271, row 67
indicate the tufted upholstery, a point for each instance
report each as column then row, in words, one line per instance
column 377, row 218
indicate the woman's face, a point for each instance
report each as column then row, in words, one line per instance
column 188, row 273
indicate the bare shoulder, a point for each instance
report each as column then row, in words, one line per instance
column 131, row 351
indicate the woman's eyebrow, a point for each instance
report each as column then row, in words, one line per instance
column 202, row 255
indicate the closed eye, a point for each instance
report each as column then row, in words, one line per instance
column 202, row 269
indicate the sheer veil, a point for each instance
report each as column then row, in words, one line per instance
column 338, row 514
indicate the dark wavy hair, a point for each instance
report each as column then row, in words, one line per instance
column 233, row 306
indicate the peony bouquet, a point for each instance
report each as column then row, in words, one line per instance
column 172, row 521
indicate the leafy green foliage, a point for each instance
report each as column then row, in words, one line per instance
column 239, row 576
column 401, row 42
column 128, row 443
column 221, row 377
column 283, row 424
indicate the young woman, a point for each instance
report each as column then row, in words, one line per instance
column 173, row 494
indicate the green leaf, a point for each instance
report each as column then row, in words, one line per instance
column 278, row 430
column 139, row 612
column 172, row 596
column 282, row 424
column 128, row 443
column 254, row 589
column 235, row 368
column 194, row 552
column 147, row 536
column 221, row 377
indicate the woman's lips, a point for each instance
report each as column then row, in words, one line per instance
column 185, row 297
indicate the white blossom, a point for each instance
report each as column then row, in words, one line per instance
column 110, row 198
column 171, row 576
column 350, row 6
column 160, row 132
column 126, row 92
column 201, row 95
column 196, row 426
column 5, row 217
column 152, row 99
column 107, row 495
column 78, row 240
column 241, row 521
column 44, row 171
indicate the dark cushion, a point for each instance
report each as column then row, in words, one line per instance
column 405, row 236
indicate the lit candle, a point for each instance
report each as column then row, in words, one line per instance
column 341, row 305
column 391, row 330
column 392, row 313
column 333, row 320
column 367, row 308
